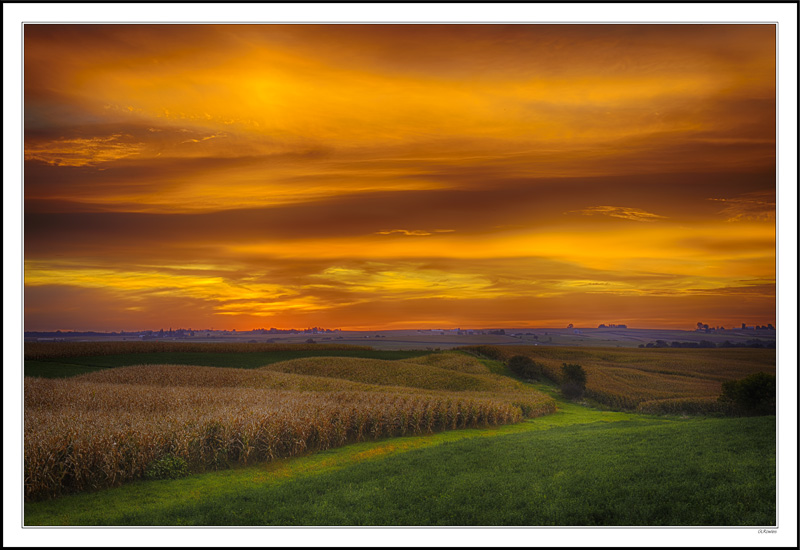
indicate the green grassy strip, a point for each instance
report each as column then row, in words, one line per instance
column 708, row 473
column 59, row 368
column 51, row 369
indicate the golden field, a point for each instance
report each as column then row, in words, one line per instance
column 653, row 380
column 102, row 429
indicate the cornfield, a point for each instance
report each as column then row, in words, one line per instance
column 397, row 373
column 648, row 380
column 103, row 429
column 452, row 361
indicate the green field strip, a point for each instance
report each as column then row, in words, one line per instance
column 58, row 369
column 246, row 360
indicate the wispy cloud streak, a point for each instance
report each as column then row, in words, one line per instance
column 624, row 212
column 759, row 206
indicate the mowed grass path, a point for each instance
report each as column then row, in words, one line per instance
column 579, row 466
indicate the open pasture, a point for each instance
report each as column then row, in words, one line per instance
column 656, row 380
column 104, row 428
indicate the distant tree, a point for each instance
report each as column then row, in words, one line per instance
column 661, row 344
column 699, row 325
column 570, row 325
column 754, row 395
column 311, row 341
column 573, row 380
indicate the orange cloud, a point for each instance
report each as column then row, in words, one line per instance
column 624, row 212
column 758, row 205
column 291, row 168
column 83, row 151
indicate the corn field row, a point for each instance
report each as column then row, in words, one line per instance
column 452, row 361
column 82, row 434
column 396, row 373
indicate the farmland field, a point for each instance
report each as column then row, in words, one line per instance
column 103, row 428
column 649, row 380
column 54, row 360
column 578, row 466
column 390, row 438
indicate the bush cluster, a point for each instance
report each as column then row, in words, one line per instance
column 573, row 380
column 525, row 367
column 751, row 396
column 167, row 467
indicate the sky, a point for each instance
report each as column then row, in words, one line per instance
column 398, row 176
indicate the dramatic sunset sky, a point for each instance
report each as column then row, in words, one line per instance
column 398, row 176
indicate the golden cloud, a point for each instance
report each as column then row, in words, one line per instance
column 624, row 212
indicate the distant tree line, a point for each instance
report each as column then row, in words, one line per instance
column 752, row 343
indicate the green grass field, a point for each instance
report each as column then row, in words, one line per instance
column 71, row 366
column 579, row 466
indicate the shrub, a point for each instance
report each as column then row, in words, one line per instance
column 754, row 395
column 525, row 367
column 573, row 380
column 167, row 467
